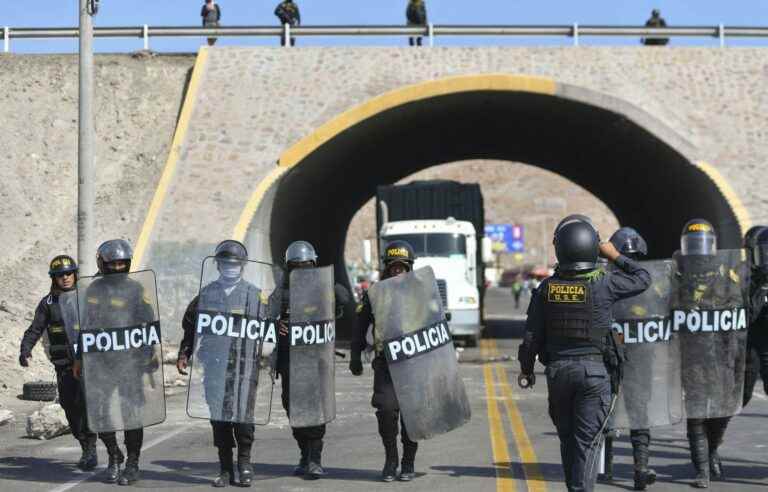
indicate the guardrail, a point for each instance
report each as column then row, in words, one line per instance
column 574, row 31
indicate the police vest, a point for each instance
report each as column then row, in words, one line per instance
column 569, row 321
column 58, row 343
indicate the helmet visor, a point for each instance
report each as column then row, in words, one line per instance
column 698, row 243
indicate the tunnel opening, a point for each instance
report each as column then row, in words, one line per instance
column 643, row 179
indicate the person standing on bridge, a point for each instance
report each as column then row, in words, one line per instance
column 656, row 20
column 288, row 13
column 416, row 15
column 211, row 14
column 569, row 329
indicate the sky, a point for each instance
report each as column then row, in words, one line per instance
column 58, row 13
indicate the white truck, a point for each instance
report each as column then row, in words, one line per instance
column 450, row 247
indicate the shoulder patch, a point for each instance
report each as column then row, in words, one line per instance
column 570, row 293
column 118, row 302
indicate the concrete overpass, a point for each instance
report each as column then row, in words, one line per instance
column 289, row 144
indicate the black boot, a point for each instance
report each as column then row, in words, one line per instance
column 699, row 454
column 644, row 476
column 244, row 467
column 301, row 468
column 116, row 459
column 389, row 472
column 130, row 474
column 388, row 432
column 407, row 472
column 315, row 467
column 226, row 469
column 89, row 459
column 715, row 432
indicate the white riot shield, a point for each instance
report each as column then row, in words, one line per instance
column 233, row 359
column 651, row 391
column 709, row 313
column 312, row 332
column 411, row 330
column 120, row 347
column 71, row 319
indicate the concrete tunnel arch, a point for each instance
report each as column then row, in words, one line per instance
column 649, row 176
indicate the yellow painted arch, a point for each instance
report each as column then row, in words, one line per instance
column 739, row 210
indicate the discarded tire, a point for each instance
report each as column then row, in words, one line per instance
column 39, row 391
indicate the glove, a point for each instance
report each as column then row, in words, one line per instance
column 356, row 367
column 23, row 359
column 526, row 381
column 181, row 364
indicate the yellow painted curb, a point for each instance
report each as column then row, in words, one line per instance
column 173, row 157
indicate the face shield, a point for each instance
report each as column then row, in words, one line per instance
column 698, row 243
column 230, row 269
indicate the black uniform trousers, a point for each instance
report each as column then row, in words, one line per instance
column 228, row 434
column 72, row 400
column 757, row 362
column 579, row 401
column 302, row 434
column 133, row 439
column 388, row 410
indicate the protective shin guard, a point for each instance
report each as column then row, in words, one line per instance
column 315, row 468
column 226, row 468
column 699, row 453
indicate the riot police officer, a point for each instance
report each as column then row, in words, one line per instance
column 569, row 329
column 49, row 323
column 298, row 255
column 631, row 244
column 114, row 257
column 398, row 258
column 757, row 340
column 230, row 289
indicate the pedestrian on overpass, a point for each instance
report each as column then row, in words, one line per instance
column 211, row 14
column 416, row 15
column 656, row 20
column 569, row 330
column 288, row 13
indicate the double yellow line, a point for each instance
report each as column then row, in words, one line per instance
column 497, row 389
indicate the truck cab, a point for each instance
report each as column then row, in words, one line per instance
column 450, row 247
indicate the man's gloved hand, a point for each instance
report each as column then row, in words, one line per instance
column 23, row 359
column 356, row 367
column 181, row 364
column 526, row 381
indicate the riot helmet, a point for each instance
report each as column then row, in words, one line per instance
column 113, row 254
column 300, row 254
column 574, row 218
column 62, row 264
column 629, row 242
column 698, row 238
column 230, row 256
column 400, row 253
column 576, row 246
column 750, row 239
column 760, row 251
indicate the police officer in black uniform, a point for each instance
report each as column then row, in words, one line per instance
column 398, row 258
column 114, row 257
column 569, row 329
column 229, row 255
column 301, row 254
column 48, row 322
column 757, row 331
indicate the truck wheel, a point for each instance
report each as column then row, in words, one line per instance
column 39, row 391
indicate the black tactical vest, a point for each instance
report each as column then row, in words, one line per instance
column 568, row 318
column 58, row 343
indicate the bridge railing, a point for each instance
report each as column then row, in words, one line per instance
column 431, row 31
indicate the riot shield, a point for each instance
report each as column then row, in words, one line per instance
column 233, row 359
column 120, row 347
column 412, row 332
column 651, row 392
column 312, row 332
column 709, row 312
column 71, row 318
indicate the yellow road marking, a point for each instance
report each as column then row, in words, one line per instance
column 534, row 478
column 504, row 480
column 173, row 157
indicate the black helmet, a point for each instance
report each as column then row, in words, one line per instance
column 113, row 250
column 759, row 251
column 62, row 264
column 698, row 238
column 231, row 250
column 656, row 12
column 300, row 252
column 576, row 246
column 750, row 238
column 398, row 251
column 629, row 242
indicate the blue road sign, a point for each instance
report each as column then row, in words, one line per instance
column 506, row 238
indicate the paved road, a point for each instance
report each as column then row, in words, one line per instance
column 509, row 445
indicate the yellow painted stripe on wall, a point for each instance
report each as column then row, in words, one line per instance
column 173, row 158
column 739, row 210
column 246, row 216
